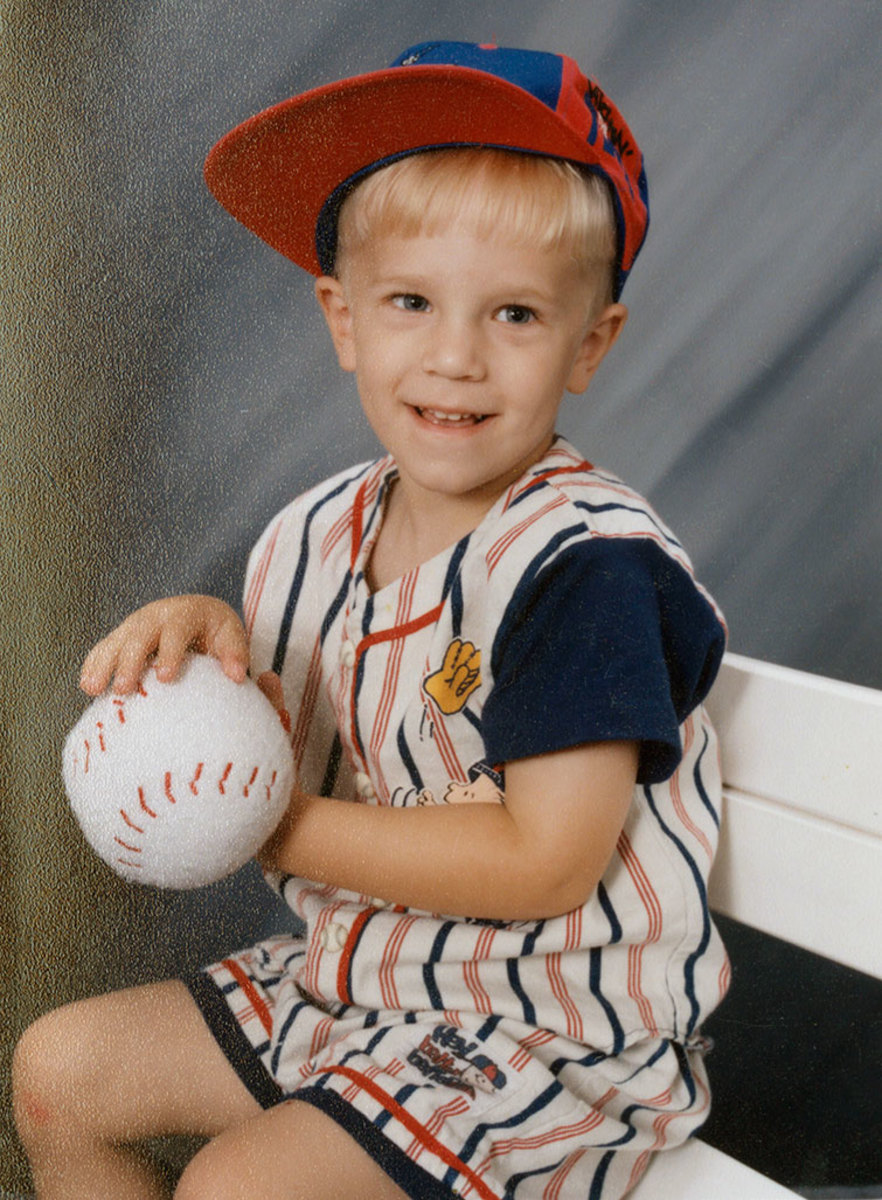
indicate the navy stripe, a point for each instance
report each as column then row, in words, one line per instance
column 699, row 784
column 689, row 965
column 332, row 768
column 452, row 586
column 283, row 1031
column 514, row 1181
column 517, row 987
column 334, row 608
column 413, row 1180
column 594, row 971
column 473, row 1143
column 609, row 912
column 300, row 571
column 435, row 999
column 631, row 508
column 474, row 720
column 407, row 759
column 231, row 1039
column 600, row 1177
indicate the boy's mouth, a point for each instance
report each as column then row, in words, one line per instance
column 436, row 417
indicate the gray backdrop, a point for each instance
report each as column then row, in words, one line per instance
column 744, row 398
column 168, row 384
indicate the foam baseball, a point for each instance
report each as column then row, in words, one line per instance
column 179, row 784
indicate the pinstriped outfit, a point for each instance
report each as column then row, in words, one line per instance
column 488, row 1059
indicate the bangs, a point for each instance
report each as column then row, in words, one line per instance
column 539, row 201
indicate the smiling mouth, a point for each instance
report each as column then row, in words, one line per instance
column 453, row 419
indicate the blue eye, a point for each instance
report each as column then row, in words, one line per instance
column 516, row 314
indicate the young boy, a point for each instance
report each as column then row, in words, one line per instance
column 494, row 658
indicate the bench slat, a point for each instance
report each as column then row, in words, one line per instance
column 802, row 740
column 697, row 1171
column 812, row 883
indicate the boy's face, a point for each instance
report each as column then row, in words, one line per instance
column 462, row 348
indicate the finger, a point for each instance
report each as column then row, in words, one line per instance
column 132, row 662
column 229, row 645
column 98, row 668
column 271, row 686
column 173, row 645
column 119, row 658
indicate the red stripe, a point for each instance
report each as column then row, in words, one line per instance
column 400, row 631
column 654, row 915
column 357, row 525
column 576, row 468
column 255, row 589
column 575, row 1028
column 346, row 955
column 375, row 639
column 254, row 997
column 389, row 689
column 446, row 748
column 553, row 1190
column 421, row 1134
column 498, row 549
column 307, row 705
column 391, row 955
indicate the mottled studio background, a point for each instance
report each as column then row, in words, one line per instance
column 166, row 386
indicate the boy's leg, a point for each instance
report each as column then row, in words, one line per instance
column 102, row 1072
column 293, row 1150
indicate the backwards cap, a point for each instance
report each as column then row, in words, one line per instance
column 285, row 172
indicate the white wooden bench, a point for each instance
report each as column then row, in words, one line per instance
column 800, row 853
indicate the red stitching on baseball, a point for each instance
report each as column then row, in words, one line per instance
column 125, row 862
column 250, row 782
column 101, row 744
column 120, row 706
column 271, row 785
column 223, row 779
column 88, row 754
column 142, row 691
column 168, row 791
column 128, row 820
column 143, row 803
column 126, row 846
column 195, row 779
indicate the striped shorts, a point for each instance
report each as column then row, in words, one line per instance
column 454, row 1103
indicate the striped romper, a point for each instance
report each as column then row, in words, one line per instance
column 476, row 1058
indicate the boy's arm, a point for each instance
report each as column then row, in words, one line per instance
column 165, row 630
column 540, row 854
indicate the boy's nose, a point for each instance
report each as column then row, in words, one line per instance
column 453, row 350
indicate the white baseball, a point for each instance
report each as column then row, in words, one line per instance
column 179, row 784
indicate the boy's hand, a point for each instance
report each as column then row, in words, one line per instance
column 165, row 630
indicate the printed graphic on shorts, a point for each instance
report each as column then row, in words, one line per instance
column 446, row 1057
column 458, row 676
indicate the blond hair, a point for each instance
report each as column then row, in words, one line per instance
column 543, row 202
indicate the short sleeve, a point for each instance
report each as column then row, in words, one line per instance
column 611, row 640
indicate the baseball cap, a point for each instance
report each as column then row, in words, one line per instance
column 285, row 172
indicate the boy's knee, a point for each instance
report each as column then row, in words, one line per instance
column 211, row 1175
column 50, row 1073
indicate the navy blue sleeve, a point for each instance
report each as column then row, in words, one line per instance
column 611, row 640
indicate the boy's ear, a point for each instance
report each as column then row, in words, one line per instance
column 332, row 301
column 599, row 339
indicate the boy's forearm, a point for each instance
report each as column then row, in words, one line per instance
column 465, row 860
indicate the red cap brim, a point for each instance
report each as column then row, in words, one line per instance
column 275, row 171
